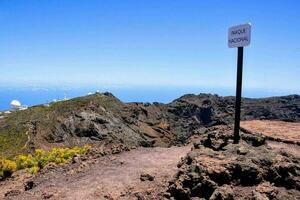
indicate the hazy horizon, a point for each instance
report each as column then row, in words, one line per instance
column 33, row 96
column 154, row 44
column 142, row 51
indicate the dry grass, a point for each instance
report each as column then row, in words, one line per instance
column 14, row 128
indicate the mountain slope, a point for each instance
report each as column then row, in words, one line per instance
column 102, row 119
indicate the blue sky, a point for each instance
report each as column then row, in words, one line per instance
column 139, row 43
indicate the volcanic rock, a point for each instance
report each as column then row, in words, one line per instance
column 102, row 118
column 255, row 171
column 146, row 177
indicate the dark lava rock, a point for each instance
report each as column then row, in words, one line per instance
column 12, row 193
column 225, row 192
column 29, row 185
column 146, row 177
column 215, row 143
column 102, row 118
column 235, row 170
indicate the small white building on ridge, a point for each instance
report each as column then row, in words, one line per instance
column 16, row 105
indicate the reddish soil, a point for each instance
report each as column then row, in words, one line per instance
column 285, row 131
column 283, row 136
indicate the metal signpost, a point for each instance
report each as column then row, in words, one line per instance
column 238, row 37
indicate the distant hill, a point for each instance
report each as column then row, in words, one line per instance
column 102, row 119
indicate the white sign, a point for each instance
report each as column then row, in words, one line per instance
column 239, row 36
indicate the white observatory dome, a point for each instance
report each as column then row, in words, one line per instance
column 15, row 103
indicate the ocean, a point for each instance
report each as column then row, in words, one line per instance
column 34, row 96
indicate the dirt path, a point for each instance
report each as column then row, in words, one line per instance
column 111, row 177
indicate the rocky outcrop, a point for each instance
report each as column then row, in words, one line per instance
column 102, row 119
column 191, row 112
column 218, row 169
column 145, row 124
column 214, row 169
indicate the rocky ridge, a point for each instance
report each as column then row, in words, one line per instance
column 102, row 119
column 214, row 168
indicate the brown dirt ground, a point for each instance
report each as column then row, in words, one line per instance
column 286, row 132
column 118, row 176
column 289, row 131
column 110, row 177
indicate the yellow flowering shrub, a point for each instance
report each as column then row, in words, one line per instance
column 7, row 167
column 39, row 159
column 33, row 170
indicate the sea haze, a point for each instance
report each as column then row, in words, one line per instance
column 35, row 96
